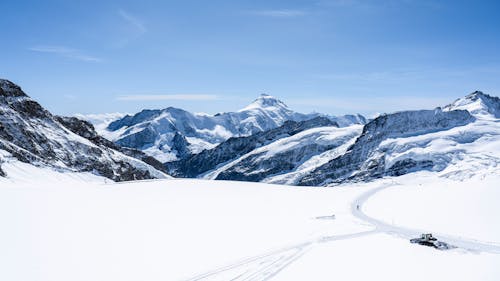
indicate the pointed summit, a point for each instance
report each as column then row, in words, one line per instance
column 9, row 89
column 478, row 104
column 265, row 101
column 476, row 95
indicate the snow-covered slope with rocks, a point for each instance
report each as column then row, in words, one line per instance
column 282, row 160
column 171, row 134
column 366, row 159
column 31, row 134
column 390, row 145
column 199, row 164
column 465, row 134
column 478, row 104
column 100, row 121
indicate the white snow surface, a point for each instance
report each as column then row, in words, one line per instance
column 445, row 206
column 68, row 226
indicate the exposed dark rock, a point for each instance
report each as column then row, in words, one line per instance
column 33, row 135
column 9, row 89
column 180, row 144
column 247, row 169
column 364, row 162
column 130, row 120
column 86, row 130
column 233, row 148
column 139, row 140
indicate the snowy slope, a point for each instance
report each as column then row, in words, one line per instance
column 233, row 148
column 458, row 141
column 466, row 207
column 31, row 134
column 171, row 134
column 479, row 104
column 343, row 138
column 80, row 228
column 465, row 132
column 370, row 156
column 284, row 160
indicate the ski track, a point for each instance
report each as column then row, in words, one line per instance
column 272, row 263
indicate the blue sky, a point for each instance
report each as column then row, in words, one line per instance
column 331, row 56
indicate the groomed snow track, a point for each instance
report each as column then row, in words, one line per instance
column 266, row 266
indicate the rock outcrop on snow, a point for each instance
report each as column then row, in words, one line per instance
column 31, row 134
column 365, row 160
column 233, row 148
column 288, row 156
column 86, row 130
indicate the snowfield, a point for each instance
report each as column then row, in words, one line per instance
column 68, row 226
column 463, row 207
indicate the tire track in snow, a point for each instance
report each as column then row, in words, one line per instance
column 407, row 233
column 272, row 263
column 279, row 259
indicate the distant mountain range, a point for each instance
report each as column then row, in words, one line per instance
column 454, row 141
column 265, row 141
column 173, row 134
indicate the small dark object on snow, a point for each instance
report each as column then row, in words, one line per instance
column 427, row 239
column 332, row 217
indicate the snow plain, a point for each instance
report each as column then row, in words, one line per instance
column 67, row 226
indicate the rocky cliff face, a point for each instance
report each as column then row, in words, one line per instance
column 364, row 160
column 288, row 156
column 233, row 148
column 33, row 135
column 86, row 130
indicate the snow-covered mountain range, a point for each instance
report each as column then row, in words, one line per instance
column 265, row 142
column 233, row 148
column 172, row 134
column 31, row 134
column 454, row 141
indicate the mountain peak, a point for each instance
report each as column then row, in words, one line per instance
column 9, row 89
column 477, row 95
column 266, row 101
column 477, row 103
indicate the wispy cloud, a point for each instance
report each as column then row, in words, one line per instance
column 70, row 97
column 186, row 97
column 132, row 21
column 339, row 2
column 278, row 13
column 346, row 3
column 65, row 52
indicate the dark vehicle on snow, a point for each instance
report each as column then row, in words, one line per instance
column 427, row 239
